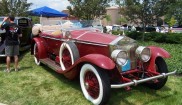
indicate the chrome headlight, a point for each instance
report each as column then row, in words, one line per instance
column 121, row 57
column 143, row 53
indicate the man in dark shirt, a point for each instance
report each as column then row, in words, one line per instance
column 13, row 32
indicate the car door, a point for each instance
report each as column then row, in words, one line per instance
column 26, row 26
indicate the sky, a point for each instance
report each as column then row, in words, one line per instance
column 55, row 4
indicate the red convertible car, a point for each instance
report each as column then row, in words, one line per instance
column 101, row 61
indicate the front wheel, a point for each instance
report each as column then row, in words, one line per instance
column 161, row 67
column 95, row 84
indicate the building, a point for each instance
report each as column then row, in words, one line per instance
column 113, row 12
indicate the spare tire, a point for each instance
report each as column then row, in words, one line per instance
column 68, row 54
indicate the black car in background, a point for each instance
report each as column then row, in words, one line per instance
column 25, row 24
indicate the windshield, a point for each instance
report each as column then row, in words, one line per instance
column 75, row 23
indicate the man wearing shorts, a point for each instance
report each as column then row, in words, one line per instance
column 13, row 32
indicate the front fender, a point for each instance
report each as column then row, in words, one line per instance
column 99, row 60
column 41, row 47
column 156, row 52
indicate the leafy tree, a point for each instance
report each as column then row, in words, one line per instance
column 145, row 12
column 172, row 22
column 123, row 20
column 142, row 12
column 14, row 7
column 108, row 18
column 88, row 9
column 175, row 11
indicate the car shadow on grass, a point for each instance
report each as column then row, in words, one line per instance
column 72, row 83
column 2, row 68
column 22, row 54
column 119, row 96
column 122, row 96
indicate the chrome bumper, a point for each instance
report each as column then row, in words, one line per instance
column 135, row 82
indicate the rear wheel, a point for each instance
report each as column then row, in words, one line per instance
column 95, row 84
column 36, row 54
column 161, row 67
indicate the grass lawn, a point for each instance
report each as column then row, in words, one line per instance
column 39, row 85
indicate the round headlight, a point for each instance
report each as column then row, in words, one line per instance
column 121, row 57
column 143, row 53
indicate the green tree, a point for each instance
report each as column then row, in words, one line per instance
column 175, row 11
column 14, row 7
column 123, row 20
column 87, row 9
column 108, row 18
column 144, row 12
column 171, row 22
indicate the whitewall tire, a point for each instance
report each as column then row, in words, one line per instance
column 36, row 54
column 68, row 54
column 95, row 84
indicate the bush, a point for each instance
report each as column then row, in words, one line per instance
column 173, row 38
column 135, row 35
column 117, row 32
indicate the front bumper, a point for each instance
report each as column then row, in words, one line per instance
column 136, row 82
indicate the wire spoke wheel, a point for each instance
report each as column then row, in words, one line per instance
column 92, row 84
column 68, row 54
column 66, row 58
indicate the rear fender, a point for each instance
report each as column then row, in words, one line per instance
column 156, row 52
column 99, row 60
column 41, row 47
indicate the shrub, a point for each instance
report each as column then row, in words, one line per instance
column 135, row 35
column 173, row 38
column 117, row 32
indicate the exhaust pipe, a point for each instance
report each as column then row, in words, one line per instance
column 136, row 82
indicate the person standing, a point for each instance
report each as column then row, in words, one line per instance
column 13, row 32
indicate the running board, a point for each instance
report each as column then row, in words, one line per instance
column 50, row 63
column 136, row 82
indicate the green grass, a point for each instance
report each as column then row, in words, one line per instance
column 39, row 85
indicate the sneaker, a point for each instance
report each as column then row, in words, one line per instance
column 7, row 70
column 16, row 69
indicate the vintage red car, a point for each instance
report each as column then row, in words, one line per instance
column 101, row 61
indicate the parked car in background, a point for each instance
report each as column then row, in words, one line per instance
column 101, row 61
column 116, row 27
column 25, row 24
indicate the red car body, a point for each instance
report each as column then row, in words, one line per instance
column 97, row 57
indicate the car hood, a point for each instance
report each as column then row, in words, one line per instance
column 102, row 38
column 94, row 37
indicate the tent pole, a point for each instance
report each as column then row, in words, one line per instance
column 41, row 19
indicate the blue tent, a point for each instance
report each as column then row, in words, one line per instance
column 47, row 12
